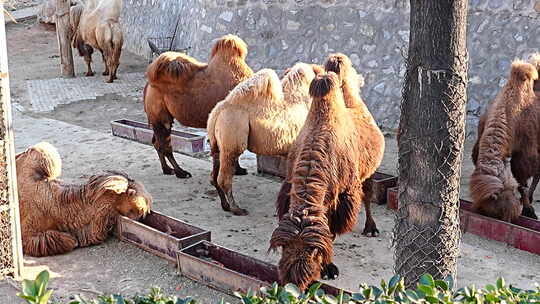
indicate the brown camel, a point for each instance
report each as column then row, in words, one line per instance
column 57, row 217
column 182, row 88
column 335, row 152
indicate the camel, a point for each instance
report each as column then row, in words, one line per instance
column 182, row 88
column 506, row 153
column 57, row 217
column 335, row 152
column 262, row 115
column 95, row 25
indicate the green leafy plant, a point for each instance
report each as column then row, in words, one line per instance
column 428, row 291
column 35, row 292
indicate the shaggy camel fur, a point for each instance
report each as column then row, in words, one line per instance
column 57, row 217
column 261, row 115
column 507, row 150
column 96, row 25
column 182, row 88
column 333, row 155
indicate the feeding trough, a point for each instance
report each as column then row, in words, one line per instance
column 273, row 165
column 524, row 234
column 160, row 234
column 229, row 271
column 381, row 182
column 181, row 141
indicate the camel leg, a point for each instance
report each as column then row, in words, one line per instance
column 224, row 182
column 48, row 243
column 164, row 166
column 239, row 170
column 528, row 209
column 370, row 229
column 534, row 183
column 330, row 271
column 106, row 72
column 88, row 60
column 162, row 143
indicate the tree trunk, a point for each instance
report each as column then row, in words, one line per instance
column 431, row 136
column 63, row 33
column 11, row 261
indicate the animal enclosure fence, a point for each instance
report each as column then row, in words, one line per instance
column 10, row 233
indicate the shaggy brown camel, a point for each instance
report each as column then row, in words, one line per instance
column 507, row 150
column 335, row 152
column 262, row 115
column 96, row 25
column 57, row 217
column 182, row 88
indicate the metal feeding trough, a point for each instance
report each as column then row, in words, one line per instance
column 273, row 165
column 524, row 234
column 381, row 182
column 181, row 141
column 160, row 234
column 229, row 271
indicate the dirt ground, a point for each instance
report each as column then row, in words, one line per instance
column 81, row 132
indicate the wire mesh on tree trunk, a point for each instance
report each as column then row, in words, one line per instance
column 430, row 139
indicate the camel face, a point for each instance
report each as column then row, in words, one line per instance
column 300, row 264
column 135, row 203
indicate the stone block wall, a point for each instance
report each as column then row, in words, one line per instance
column 374, row 33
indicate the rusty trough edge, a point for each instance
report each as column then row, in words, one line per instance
column 525, row 236
column 222, row 270
column 142, row 133
column 190, row 239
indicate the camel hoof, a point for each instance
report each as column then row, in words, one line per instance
column 167, row 171
column 182, row 174
column 529, row 212
column 240, row 171
column 105, row 73
column 239, row 211
column 371, row 231
column 108, row 81
column 330, row 272
column 89, row 74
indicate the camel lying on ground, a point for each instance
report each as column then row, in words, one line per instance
column 182, row 88
column 335, row 152
column 57, row 217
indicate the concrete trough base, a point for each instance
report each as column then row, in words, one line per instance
column 272, row 165
column 523, row 235
column 160, row 234
column 182, row 142
column 229, row 271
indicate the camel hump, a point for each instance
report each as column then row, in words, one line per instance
column 264, row 83
column 173, row 66
column 47, row 162
column 535, row 60
column 322, row 85
column 230, row 43
column 523, row 71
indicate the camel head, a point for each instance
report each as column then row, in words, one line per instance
column 341, row 65
column 497, row 196
column 306, row 244
column 129, row 197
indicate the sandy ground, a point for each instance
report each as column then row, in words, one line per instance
column 81, row 132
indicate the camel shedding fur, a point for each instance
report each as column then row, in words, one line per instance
column 335, row 152
column 506, row 152
column 57, row 217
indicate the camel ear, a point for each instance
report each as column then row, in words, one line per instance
column 116, row 183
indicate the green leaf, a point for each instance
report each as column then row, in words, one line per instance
column 42, row 280
column 427, row 280
column 293, row 290
column 441, row 285
column 29, row 288
column 432, row 299
column 394, row 280
column 450, row 280
column 31, row 299
column 500, row 283
column 44, row 299
column 428, row 291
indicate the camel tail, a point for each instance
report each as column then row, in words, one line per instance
column 49, row 163
column 230, row 43
column 523, row 71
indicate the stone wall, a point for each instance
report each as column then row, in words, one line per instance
column 374, row 33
